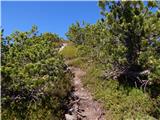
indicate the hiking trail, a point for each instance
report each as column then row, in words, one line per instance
column 82, row 105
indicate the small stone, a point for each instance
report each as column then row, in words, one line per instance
column 70, row 117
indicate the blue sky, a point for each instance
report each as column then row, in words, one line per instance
column 50, row 16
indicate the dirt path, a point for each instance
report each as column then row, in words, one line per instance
column 83, row 107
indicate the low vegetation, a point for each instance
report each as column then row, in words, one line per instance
column 123, row 50
column 120, row 54
column 120, row 102
column 35, row 80
column 69, row 52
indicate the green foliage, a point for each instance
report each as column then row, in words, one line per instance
column 69, row 52
column 127, row 39
column 84, row 51
column 135, row 29
column 79, row 62
column 127, row 43
column 76, row 33
column 51, row 37
column 35, row 80
column 93, row 36
column 119, row 102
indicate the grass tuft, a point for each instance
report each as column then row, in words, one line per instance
column 69, row 52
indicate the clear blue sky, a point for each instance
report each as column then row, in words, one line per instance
column 50, row 16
